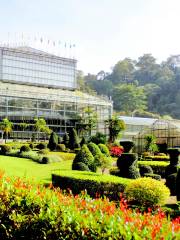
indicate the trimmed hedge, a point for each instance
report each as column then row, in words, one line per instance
column 127, row 145
column 41, row 146
column 25, row 148
column 5, row 149
column 104, row 149
column 157, row 167
column 145, row 169
column 152, row 175
column 171, row 183
column 94, row 183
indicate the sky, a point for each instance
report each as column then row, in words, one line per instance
column 100, row 32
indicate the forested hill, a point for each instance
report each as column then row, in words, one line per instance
column 139, row 86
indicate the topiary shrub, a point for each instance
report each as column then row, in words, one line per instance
column 104, row 149
column 5, row 149
column 98, row 138
column 60, row 140
column 96, row 152
column 127, row 145
column 174, row 161
column 80, row 166
column 31, row 146
column 171, row 183
column 41, row 146
column 43, row 151
column 147, row 192
column 114, row 171
column 45, row 160
column 145, row 169
column 25, row 148
column 83, row 141
column 178, row 185
column 84, row 156
column 61, row 148
column 73, row 139
column 152, row 175
column 66, row 139
column 53, row 141
column 127, row 164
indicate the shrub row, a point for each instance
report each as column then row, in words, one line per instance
column 94, row 183
column 157, row 167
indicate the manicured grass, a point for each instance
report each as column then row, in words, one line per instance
column 23, row 167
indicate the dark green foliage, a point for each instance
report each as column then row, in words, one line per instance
column 127, row 145
column 80, row 166
column 152, row 175
column 5, row 149
column 66, row 139
column 178, row 185
column 145, row 169
column 157, row 167
column 174, row 161
column 96, row 152
column 104, row 149
column 73, row 139
column 93, row 186
column 33, row 138
column 45, row 160
column 84, row 156
column 98, row 138
column 25, row 148
column 61, row 148
column 151, row 145
column 31, row 145
column 53, row 141
column 60, row 140
column 115, row 126
column 162, row 147
column 127, row 164
column 83, row 141
column 41, row 146
column 171, row 183
column 114, row 171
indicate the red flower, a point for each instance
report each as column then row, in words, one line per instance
column 116, row 151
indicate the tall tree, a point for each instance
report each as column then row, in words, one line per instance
column 129, row 97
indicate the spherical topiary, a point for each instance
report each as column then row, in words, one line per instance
column 5, row 149
column 25, row 148
column 127, row 163
column 41, row 146
column 45, row 160
column 171, row 182
column 145, row 169
column 104, row 149
column 84, row 156
column 147, row 192
column 154, row 176
column 80, row 166
column 127, row 145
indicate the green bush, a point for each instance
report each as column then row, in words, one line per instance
column 84, row 156
column 147, row 192
column 80, row 166
column 30, row 155
column 174, row 161
column 83, row 141
column 41, row 146
column 114, row 171
column 104, row 149
column 94, row 183
column 25, row 148
column 61, row 148
column 96, row 152
column 45, row 160
column 127, row 164
column 98, row 138
column 31, row 145
column 66, row 139
column 157, row 158
column 5, row 149
column 152, row 175
column 158, row 167
column 171, row 183
column 53, row 141
column 145, row 169
column 43, row 151
column 178, row 185
column 127, row 145
column 73, row 139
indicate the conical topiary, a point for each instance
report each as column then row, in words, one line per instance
column 73, row 139
column 66, row 139
column 53, row 141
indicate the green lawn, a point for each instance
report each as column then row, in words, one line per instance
column 23, row 167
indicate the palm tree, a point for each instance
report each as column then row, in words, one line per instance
column 6, row 126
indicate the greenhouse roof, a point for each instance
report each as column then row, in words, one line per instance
column 138, row 120
column 50, row 94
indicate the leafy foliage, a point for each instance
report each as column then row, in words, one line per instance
column 98, row 138
column 73, row 139
column 53, row 141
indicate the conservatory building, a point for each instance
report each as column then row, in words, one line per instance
column 35, row 84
